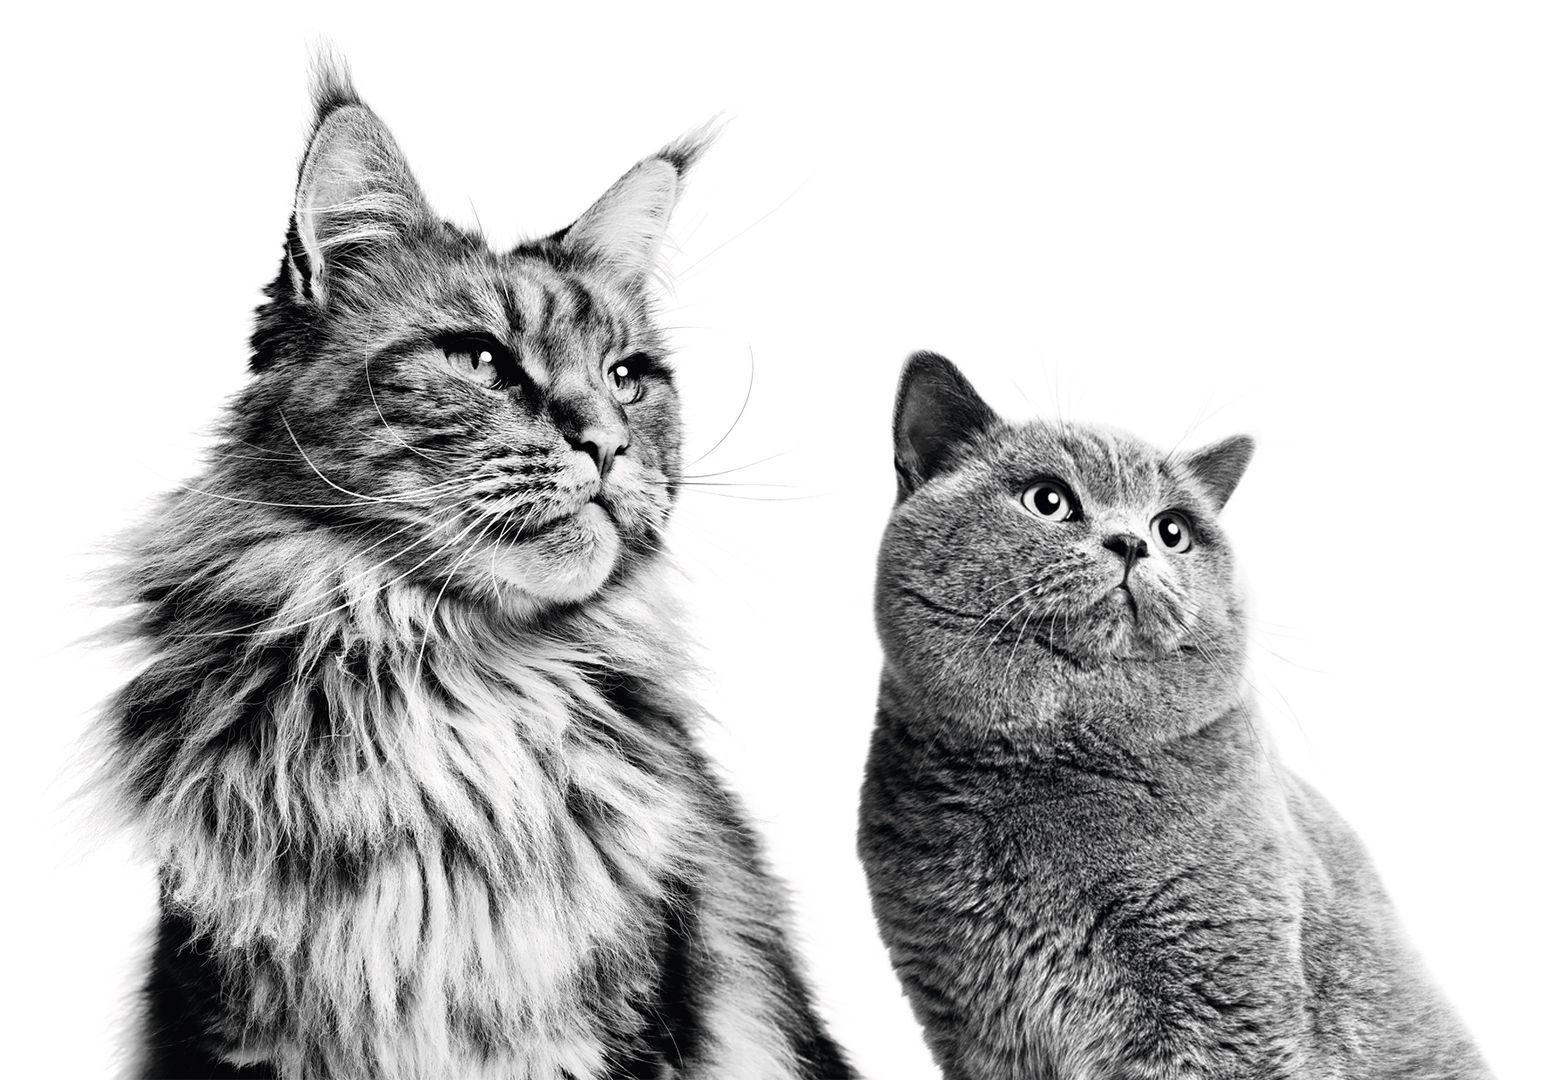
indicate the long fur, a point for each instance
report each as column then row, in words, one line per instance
column 408, row 741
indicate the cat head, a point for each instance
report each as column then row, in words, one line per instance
column 1081, row 545
column 494, row 420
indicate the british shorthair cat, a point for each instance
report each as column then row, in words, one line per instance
column 1084, row 856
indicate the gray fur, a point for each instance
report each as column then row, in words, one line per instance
column 1084, row 857
column 410, row 743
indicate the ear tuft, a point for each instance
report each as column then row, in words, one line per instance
column 1217, row 468
column 936, row 412
column 684, row 152
column 355, row 189
column 624, row 230
column 331, row 84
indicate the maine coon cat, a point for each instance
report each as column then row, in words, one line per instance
column 409, row 744
column 1084, row 857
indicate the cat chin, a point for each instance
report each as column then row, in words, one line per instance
column 570, row 562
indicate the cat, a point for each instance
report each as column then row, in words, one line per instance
column 1083, row 855
column 410, row 745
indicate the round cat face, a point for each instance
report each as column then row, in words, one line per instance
column 1086, row 543
column 1055, row 549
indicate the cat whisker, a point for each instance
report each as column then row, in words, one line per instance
column 990, row 615
column 734, row 468
column 191, row 489
column 752, row 498
column 373, row 397
column 752, row 374
column 394, row 443
column 345, row 491
column 687, row 270
column 267, row 451
column 270, row 629
column 720, row 483
column 1017, row 643
column 422, row 649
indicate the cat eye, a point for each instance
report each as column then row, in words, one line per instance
column 1050, row 500
column 480, row 359
column 626, row 377
column 1172, row 531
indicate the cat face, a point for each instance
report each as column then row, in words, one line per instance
column 498, row 421
column 1081, row 542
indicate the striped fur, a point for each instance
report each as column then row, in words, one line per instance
column 408, row 742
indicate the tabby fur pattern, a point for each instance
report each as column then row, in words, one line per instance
column 409, row 742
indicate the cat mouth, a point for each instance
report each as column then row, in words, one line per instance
column 1121, row 598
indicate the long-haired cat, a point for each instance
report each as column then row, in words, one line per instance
column 409, row 744
column 1084, row 858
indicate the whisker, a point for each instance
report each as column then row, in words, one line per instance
column 735, row 468
column 754, row 498
column 270, row 629
column 752, row 374
column 688, row 269
column 373, row 397
column 268, row 451
column 326, row 479
column 422, row 649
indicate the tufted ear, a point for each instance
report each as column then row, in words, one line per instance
column 623, row 231
column 1218, row 468
column 355, row 189
column 936, row 412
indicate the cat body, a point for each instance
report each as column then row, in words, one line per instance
column 1085, row 858
column 409, row 743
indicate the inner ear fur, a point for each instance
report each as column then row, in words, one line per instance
column 624, row 230
column 937, row 411
column 355, row 189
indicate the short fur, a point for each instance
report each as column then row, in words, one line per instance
column 1084, row 857
column 410, row 745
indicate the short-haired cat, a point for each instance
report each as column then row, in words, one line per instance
column 1085, row 858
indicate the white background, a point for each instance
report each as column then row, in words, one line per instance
column 1330, row 225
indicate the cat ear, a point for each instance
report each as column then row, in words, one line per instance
column 1218, row 468
column 355, row 189
column 937, row 411
column 624, row 230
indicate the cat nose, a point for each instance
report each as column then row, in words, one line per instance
column 1128, row 547
column 605, row 444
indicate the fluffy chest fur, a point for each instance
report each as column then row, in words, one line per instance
column 419, row 840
